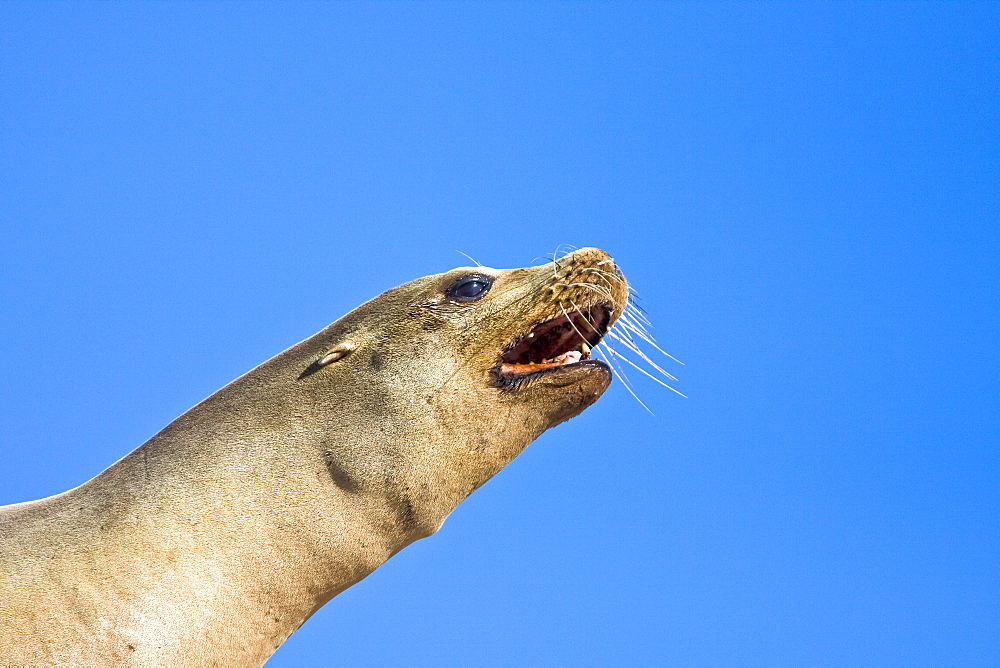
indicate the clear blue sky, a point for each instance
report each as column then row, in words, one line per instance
column 805, row 195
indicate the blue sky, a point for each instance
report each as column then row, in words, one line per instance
column 805, row 196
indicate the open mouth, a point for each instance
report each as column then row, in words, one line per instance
column 557, row 343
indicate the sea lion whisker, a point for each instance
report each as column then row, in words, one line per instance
column 555, row 257
column 611, row 354
column 618, row 354
column 602, row 354
column 631, row 344
column 638, row 326
column 640, row 317
column 583, row 316
column 605, row 274
column 645, row 336
column 555, row 262
column 570, row 248
column 635, row 296
column 625, row 330
column 637, row 310
column 605, row 279
column 474, row 260
column 629, row 329
column 634, row 348
column 640, row 331
column 573, row 324
column 598, row 353
column 599, row 289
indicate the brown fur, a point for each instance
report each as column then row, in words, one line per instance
column 212, row 542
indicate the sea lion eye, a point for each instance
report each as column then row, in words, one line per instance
column 470, row 288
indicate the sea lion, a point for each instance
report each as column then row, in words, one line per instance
column 217, row 538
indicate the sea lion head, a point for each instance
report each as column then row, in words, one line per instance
column 434, row 386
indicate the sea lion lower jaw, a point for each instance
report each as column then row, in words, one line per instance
column 563, row 391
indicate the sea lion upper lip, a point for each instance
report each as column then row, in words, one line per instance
column 555, row 344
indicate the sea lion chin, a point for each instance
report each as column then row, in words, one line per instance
column 221, row 534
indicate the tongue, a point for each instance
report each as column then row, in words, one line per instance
column 570, row 357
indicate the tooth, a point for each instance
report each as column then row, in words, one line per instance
column 584, row 348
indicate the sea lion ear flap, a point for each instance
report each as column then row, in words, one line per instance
column 339, row 351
